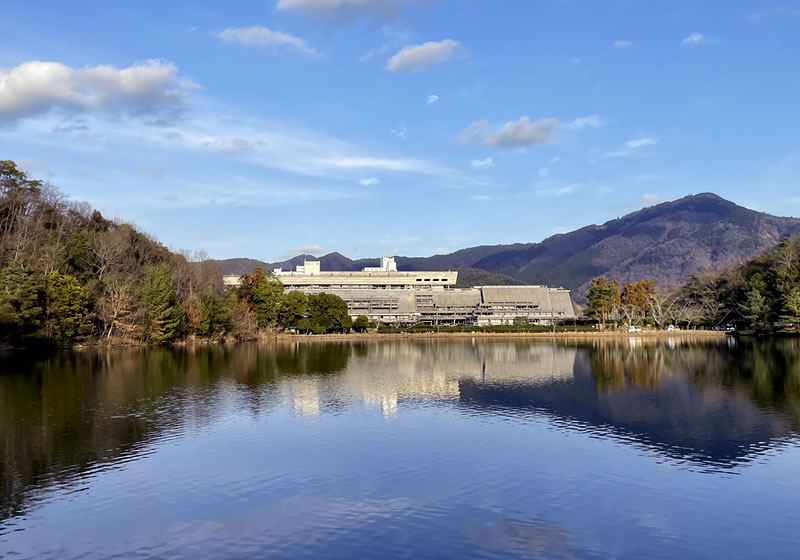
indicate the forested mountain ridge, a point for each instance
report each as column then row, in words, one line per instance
column 666, row 242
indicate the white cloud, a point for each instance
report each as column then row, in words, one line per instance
column 544, row 172
column 401, row 132
column 151, row 87
column 473, row 132
column 259, row 36
column 413, row 57
column 637, row 143
column 345, row 10
column 632, row 148
column 653, row 198
column 482, row 163
column 605, row 190
column 369, row 181
column 481, row 197
column 523, row 132
column 556, row 191
column 313, row 249
column 622, row 44
column 592, row 121
column 696, row 39
column 557, row 159
column 575, row 60
column 431, row 99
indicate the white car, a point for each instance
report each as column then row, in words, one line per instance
column 633, row 329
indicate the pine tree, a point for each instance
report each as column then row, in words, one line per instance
column 215, row 315
column 791, row 308
column 166, row 319
column 22, row 301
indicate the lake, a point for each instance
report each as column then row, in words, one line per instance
column 426, row 448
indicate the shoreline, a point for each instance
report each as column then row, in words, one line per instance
column 372, row 337
column 547, row 335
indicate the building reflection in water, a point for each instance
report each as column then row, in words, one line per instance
column 713, row 405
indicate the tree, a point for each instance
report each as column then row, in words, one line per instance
column 754, row 308
column 18, row 195
column 116, row 306
column 347, row 323
column 22, row 301
column 361, row 324
column 327, row 313
column 264, row 293
column 603, row 297
column 791, row 308
column 243, row 320
column 165, row 319
column 292, row 309
column 660, row 306
column 304, row 325
column 67, row 305
column 215, row 315
column 80, row 256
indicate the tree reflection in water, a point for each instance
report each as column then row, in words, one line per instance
column 710, row 404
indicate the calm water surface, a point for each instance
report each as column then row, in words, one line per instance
column 404, row 449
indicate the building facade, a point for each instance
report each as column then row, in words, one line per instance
column 387, row 295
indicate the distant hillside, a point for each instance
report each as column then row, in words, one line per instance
column 666, row 242
column 469, row 277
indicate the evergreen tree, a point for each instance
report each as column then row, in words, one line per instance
column 791, row 308
column 215, row 315
column 603, row 296
column 293, row 308
column 754, row 307
column 361, row 324
column 328, row 313
column 80, row 257
column 67, row 305
column 165, row 319
column 22, row 301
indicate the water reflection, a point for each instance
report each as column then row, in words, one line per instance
column 717, row 405
column 706, row 405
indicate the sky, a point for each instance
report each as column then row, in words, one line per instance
column 269, row 128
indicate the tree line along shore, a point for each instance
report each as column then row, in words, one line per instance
column 69, row 275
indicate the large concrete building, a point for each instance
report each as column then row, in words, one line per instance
column 387, row 295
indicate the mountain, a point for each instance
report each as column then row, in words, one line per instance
column 666, row 242
column 469, row 277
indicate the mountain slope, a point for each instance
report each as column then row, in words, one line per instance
column 666, row 242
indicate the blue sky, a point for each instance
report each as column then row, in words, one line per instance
column 410, row 127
